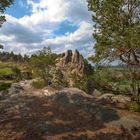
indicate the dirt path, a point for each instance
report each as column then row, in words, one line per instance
column 34, row 116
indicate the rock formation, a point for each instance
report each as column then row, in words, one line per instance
column 72, row 62
column 71, row 66
column 67, row 114
column 121, row 101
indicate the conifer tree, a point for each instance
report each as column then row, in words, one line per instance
column 117, row 32
column 3, row 5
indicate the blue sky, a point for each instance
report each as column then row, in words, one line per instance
column 60, row 24
column 65, row 27
column 18, row 9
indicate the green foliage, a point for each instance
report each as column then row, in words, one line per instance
column 1, row 46
column 124, row 88
column 134, row 107
column 41, row 63
column 59, row 80
column 17, row 73
column 85, row 83
column 16, row 70
column 60, row 84
column 116, row 30
column 3, row 5
column 102, row 78
column 80, row 82
column 4, row 86
column 89, row 68
column 6, row 71
column 110, row 79
column 11, row 57
column 10, row 71
column 38, row 84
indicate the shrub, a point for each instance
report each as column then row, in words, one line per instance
column 38, row 84
column 6, row 71
column 134, row 107
column 4, row 86
column 61, row 84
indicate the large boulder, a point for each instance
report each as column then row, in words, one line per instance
column 107, row 98
column 15, row 88
column 27, row 84
column 97, row 93
column 71, row 96
column 121, row 101
column 48, row 91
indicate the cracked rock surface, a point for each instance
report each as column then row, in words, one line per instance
column 68, row 114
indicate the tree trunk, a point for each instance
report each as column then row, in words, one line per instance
column 134, row 89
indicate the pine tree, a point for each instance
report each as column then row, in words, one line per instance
column 3, row 5
column 117, row 32
column 42, row 62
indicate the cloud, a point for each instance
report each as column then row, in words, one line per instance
column 58, row 10
column 31, row 32
column 81, row 39
column 21, row 33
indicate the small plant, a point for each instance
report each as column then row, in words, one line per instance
column 4, row 86
column 17, row 73
column 6, row 71
column 134, row 107
column 38, row 84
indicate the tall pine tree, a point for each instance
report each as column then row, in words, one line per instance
column 117, row 32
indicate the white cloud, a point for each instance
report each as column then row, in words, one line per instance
column 30, row 33
column 84, row 32
column 59, row 10
column 80, row 39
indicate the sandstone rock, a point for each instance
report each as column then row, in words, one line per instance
column 15, row 88
column 121, row 99
column 25, row 84
column 71, row 111
column 97, row 93
column 76, row 57
column 106, row 97
column 48, row 91
column 72, row 137
column 72, row 96
column 68, row 56
column 70, row 66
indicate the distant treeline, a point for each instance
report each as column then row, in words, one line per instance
column 12, row 57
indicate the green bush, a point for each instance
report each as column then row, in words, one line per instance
column 6, row 71
column 38, row 84
column 4, row 86
column 60, row 84
column 134, row 107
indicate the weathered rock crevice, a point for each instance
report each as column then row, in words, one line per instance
column 70, row 67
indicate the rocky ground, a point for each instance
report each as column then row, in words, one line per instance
column 68, row 114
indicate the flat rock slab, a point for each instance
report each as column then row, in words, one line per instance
column 68, row 114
